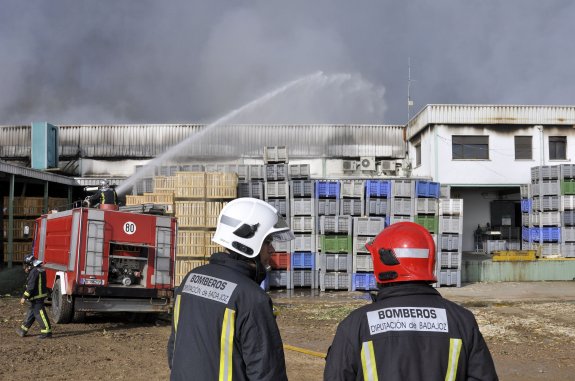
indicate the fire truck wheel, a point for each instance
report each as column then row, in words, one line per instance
column 62, row 309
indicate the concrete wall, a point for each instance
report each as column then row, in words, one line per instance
column 542, row 270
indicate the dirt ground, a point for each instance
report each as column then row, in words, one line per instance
column 530, row 330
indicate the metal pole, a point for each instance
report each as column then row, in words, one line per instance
column 11, row 221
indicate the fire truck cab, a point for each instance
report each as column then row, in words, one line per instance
column 102, row 260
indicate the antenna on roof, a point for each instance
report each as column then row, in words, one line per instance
column 409, row 101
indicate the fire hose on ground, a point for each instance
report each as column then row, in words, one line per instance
column 305, row 351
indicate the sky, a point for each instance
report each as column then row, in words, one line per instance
column 192, row 61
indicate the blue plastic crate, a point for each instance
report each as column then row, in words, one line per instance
column 427, row 189
column 526, row 234
column 549, row 234
column 378, row 188
column 526, row 205
column 327, row 189
column 303, row 260
column 363, row 281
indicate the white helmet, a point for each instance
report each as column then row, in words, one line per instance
column 104, row 184
column 244, row 224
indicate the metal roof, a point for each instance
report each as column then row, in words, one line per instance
column 35, row 174
column 217, row 141
column 491, row 114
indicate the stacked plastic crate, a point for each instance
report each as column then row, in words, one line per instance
column 545, row 221
column 568, row 210
column 377, row 198
column 402, row 201
column 426, row 205
column 304, row 247
column 276, row 193
column 364, row 230
column 335, row 245
column 526, row 210
column 253, row 184
column 449, row 242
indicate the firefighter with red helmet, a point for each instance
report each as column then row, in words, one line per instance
column 223, row 324
column 35, row 294
column 409, row 332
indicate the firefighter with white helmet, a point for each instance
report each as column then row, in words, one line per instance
column 35, row 294
column 223, row 323
column 409, row 332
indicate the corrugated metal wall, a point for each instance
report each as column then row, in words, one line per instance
column 220, row 141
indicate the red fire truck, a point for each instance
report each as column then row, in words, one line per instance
column 106, row 260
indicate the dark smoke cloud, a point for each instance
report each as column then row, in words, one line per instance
column 149, row 61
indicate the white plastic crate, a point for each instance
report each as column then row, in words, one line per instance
column 303, row 224
column 359, row 244
column 525, row 219
column 304, row 278
column 302, row 207
column 450, row 242
column 279, row 278
column 352, row 188
column 280, row 204
column 303, row 242
column 567, row 202
column 299, row 171
column 548, row 249
column 451, row 206
column 402, row 188
column 335, row 224
column 451, row 224
column 282, row 247
column 546, row 203
column 393, row 219
column 545, row 172
column 275, row 154
column 426, row 206
column 327, row 206
column 370, row 226
column 449, row 278
column 256, row 172
column 335, row 281
column 492, row 245
column 513, row 245
column 351, row 207
column 445, row 191
column 377, row 206
column 546, row 219
column 568, row 234
column 279, row 189
column 403, row 206
column 546, row 188
column 336, row 262
column 362, row 263
column 449, row 260
column 568, row 250
column 525, row 190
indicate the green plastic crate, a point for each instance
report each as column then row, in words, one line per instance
column 336, row 244
column 567, row 186
column 431, row 223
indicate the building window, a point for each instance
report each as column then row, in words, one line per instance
column 470, row 147
column 523, row 147
column 418, row 154
column 557, row 147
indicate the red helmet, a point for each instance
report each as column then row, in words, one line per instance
column 403, row 252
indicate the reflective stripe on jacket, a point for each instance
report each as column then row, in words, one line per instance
column 35, row 284
column 409, row 333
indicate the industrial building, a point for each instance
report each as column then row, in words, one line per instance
column 485, row 155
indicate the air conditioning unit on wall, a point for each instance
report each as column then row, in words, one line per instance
column 367, row 163
column 387, row 165
column 349, row 165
